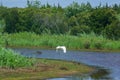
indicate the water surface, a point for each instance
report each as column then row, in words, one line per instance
column 109, row 62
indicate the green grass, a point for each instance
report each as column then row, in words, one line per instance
column 84, row 41
column 10, row 59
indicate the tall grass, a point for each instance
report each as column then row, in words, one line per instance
column 84, row 41
column 10, row 59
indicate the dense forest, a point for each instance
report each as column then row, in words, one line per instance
column 74, row 19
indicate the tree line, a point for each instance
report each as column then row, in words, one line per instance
column 73, row 19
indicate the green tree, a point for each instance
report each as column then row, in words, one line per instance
column 112, row 31
column 33, row 4
column 38, row 20
column 83, row 18
column 100, row 18
column 75, row 8
column 60, row 23
column 72, row 21
column 116, row 7
column 12, row 20
column 2, row 25
column 3, row 13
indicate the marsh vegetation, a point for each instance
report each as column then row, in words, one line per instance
column 83, row 41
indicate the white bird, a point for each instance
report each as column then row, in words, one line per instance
column 62, row 48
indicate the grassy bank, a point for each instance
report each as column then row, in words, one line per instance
column 45, row 69
column 84, row 41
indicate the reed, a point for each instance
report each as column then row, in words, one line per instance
column 83, row 41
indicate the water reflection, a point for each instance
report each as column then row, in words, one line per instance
column 110, row 70
column 101, row 74
column 98, row 75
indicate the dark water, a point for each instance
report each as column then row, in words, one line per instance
column 109, row 62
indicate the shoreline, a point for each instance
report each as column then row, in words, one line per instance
column 53, row 48
column 48, row 69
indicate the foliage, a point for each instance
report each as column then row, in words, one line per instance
column 42, row 19
column 100, row 18
column 116, row 7
column 10, row 59
column 80, row 29
column 2, row 25
column 74, row 8
column 35, row 4
column 12, row 20
column 112, row 31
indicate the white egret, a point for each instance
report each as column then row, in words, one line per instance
column 62, row 48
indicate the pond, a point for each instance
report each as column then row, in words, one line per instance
column 108, row 62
